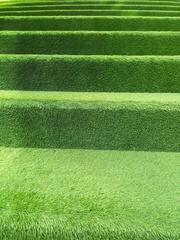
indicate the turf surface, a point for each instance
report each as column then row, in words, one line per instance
column 92, row 13
column 90, row 42
column 90, row 73
column 89, row 120
column 89, row 23
column 85, row 194
column 44, row 2
column 91, row 6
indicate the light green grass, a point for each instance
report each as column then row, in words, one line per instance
column 91, row 2
column 138, row 98
column 90, row 121
column 96, row 23
column 90, row 42
column 44, row 2
column 82, row 194
column 90, row 73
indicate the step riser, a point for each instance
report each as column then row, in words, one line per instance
column 89, row 126
column 44, row 3
column 92, row 13
column 93, row 7
column 90, row 23
column 99, row 74
column 87, row 43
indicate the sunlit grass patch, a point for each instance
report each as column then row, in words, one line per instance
column 61, row 194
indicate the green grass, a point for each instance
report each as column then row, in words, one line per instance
column 96, row 23
column 84, row 194
column 92, row 13
column 90, row 121
column 90, row 73
column 91, row 6
column 90, row 42
column 88, row 2
column 139, row 98
column 44, row 2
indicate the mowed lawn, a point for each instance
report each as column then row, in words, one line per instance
column 88, row 194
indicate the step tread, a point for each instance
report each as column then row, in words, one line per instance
column 95, row 189
column 131, row 98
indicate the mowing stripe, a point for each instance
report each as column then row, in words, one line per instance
column 90, row 43
column 95, row 124
column 90, row 73
column 91, row 23
column 92, row 13
column 91, row 6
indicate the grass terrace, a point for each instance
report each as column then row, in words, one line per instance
column 89, row 120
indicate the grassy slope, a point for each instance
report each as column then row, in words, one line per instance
column 90, row 42
column 90, row 73
column 90, row 23
column 82, row 194
column 91, row 121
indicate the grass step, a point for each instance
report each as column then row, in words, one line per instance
column 91, row 6
column 90, row 43
column 92, row 13
column 44, row 3
column 107, row 121
column 98, row 23
column 105, row 194
column 90, row 73
column 89, row 120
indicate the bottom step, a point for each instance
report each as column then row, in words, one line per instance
column 114, row 121
column 88, row 194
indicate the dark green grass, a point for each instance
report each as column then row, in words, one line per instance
column 90, row 120
column 91, row 6
column 95, row 195
column 92, row 13
column 90, row 23
column 90, row 42
column 90, row 73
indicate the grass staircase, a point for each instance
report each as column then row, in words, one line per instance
column 89, row 120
